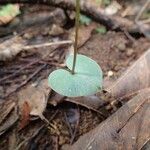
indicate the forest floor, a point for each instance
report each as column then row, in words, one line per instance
column 34, row 117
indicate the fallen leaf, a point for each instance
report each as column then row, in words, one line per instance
column 25, row 115
column 136, row 78
column 91, row 102
column 11, row 47
column 8, row 12
column 5, row 109
column 128, row 128
column 84, row 34
column 113, row 8
column 12, row 139
column 55, row 98
column 35, row 96
column 9, row 122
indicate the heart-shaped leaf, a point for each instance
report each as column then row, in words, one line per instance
column 87, row 79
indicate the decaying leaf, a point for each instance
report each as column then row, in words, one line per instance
column 55, row 98
column 9, row 122
column 36, row 97
column 128, row 128
column 8, row 115
column 136, row 78
column 84, row 34
column 25, row 115
column 5, row 109
column 91, row 102
column 113, row 8
column 11, row 47
column 8, row 12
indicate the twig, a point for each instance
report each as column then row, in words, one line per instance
column 76, row 127
column 142, row 10
column 48, row 44
column 30, row 138
column 97, row 13
column 127, row 34
column 145, row 21
column 144, row 147
column 69, row 127
column 15, row 73
column 72, row 133
column 26, row 81
column 57, row 145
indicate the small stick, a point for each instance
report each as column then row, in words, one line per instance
column 16, row 72
column 26, row 81
column 68, row 124
column 35, row 134
column 47, row 44
column 145, row 21
column 76, row 127
column 142, row 10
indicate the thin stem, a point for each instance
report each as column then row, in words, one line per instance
column 47, row 44
column 76, row 35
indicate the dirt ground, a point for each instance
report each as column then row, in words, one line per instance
column 113, row 51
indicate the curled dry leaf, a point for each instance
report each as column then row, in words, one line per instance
column 136, row 78
column 128, row 128
column 36, row 97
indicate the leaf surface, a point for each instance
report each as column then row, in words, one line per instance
column 87, row 79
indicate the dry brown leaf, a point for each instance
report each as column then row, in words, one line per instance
column 25, row 115
column 84, row 35
column 136, row 78
column 55, row 98
column 9, row 122
column 91, row 102
column 128, row 128
column 5, row 109
column 11, row 47
column 36, row 97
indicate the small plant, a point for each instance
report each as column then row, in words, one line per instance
column 83, row 76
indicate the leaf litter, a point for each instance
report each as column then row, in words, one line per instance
column 136, row 78
column 104, row 49
column 31, row 97
column 127, row 128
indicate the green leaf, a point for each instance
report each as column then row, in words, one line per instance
column 101, row 30
column 9, row 10
column 98, row 1
column 85, row 20
column 87, row 79
column 106, row 2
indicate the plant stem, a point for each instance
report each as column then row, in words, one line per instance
column 76, row 35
